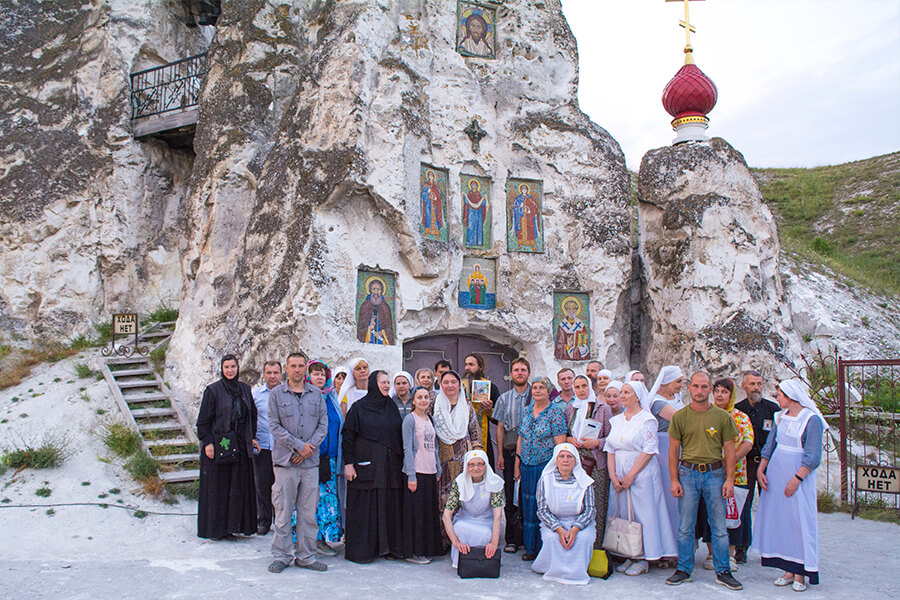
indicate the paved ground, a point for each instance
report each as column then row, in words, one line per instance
column 860, row 560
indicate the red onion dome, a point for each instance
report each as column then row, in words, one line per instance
column 689, row 93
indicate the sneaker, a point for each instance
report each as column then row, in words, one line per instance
column 638, row 568
column 678, row 577
column 708, row 563
column 324, row 549
column 740, row 555
column 727, row 579
column 418, row 560
column 314, row 566
column 733, row 564
column 262, row 528
column 624, row 566
column 277, row 566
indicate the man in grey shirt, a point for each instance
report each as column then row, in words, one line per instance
column 298, row 420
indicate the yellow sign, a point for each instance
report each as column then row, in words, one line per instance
column 125, row 324
column 872, row 478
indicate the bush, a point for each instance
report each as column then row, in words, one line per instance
column 142, row 467
column 43, row 492
column 162, row 314
column 80, row 343
column 121, row 439
column 104, row 332
column 822, row 246
column 188, row 489
column 50, row 454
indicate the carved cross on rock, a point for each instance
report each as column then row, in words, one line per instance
column 475, row 133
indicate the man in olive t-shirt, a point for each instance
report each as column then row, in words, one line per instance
column 700, row 435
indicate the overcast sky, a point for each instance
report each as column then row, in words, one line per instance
column 801, row 82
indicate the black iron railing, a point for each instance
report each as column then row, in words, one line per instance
column 170, row 87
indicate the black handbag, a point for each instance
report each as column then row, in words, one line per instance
column 475, row 565
column 226, row 449
column 324, row 468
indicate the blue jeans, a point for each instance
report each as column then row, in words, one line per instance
column 708, row 486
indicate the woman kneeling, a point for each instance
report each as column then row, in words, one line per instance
column 566, row 510
column 477, row 499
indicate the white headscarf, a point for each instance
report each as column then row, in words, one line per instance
column 337, row 372
column 640, row 390
column 405, row 374
column 349, row 392
column 667, row 374
column 581, row 409
column 629, row 374
column 493, row 483
column 583, row 481
column 798, row 391
column 451, row 423
column 616, row 385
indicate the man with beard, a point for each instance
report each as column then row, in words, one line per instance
column 473, row 368
column 762, row 415
column 375, row 324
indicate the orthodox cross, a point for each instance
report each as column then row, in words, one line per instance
column 688, row 29
column 475, row 133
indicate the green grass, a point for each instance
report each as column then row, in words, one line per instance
column 142, row 467
column 80, row 343
column 872, row 511
column 85, row 372
column 836, row 216
column 104, row 332
column 187, row 489
column 121, row 439
column 49, row 454
column 5, row 349
column 161, row 314
column 43, row 492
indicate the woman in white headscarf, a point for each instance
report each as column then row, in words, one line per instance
column 663, row 401
column 634, row 375
column 579, row 411
column 566, row 510
column 401, row 385
column 455, row 428
column 474, row 510
column 356, row 385
column 786, row 531
column 630, row 447
column 604, row 376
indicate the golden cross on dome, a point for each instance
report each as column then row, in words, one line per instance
column 688, row 28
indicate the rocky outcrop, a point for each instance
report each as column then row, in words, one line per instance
column 314, row 121
column 90, row 219
column 713, row 296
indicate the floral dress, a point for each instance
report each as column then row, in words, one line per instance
column 745, row 427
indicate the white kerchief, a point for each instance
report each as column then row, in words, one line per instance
column 629, row 374
column 797, row 390
column 349, row 392
column 640, row 390
column 667, row 374
column 451, row 423
column 493, row 483
column 581, row 412
column 408, row 377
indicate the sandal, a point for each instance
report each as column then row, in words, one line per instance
column 786, row 579
column 799, row 586
column 510, row 548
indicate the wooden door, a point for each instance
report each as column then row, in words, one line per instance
column 425, row 351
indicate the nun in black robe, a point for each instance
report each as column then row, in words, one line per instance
column 373, row 445
column 227, row 501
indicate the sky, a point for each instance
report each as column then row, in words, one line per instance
column 801, row 83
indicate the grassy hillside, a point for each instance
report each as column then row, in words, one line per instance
column 845, row 216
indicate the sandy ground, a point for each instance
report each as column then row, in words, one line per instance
column 90, row 552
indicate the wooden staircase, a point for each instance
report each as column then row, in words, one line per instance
column 149, row 409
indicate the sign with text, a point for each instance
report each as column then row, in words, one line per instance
column 872, row 478
column 125, row 324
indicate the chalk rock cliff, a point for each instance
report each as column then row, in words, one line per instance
column 90, row 219
column 315, row 118
column 712, row 290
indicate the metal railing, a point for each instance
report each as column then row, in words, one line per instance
column 174, row 86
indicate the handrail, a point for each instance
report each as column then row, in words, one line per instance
column 173, row 86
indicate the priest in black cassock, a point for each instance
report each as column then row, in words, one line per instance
column 373, row 454
column 227, row 502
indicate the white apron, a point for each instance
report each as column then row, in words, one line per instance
column 474, row 521
column 787, row 528
column 555, row 562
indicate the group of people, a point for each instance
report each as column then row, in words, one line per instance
column 404, row 467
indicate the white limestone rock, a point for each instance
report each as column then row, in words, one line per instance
column 713, row 296
column 90, row 219
column 315, row 118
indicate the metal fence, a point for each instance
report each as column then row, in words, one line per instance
column 169, row 87
column 868, row 404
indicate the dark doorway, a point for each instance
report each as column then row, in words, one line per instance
column 425, row 351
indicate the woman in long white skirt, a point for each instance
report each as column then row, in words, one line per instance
column 786, row 531
column 565, row 501
column 663, row 401
column 474, row 509
column 630, row 448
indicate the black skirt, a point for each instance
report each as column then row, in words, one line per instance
column 421, row 518
column 227, row 502
column 373, row 524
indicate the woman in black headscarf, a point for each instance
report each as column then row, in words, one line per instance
column 373, row 454
column 227, row 420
